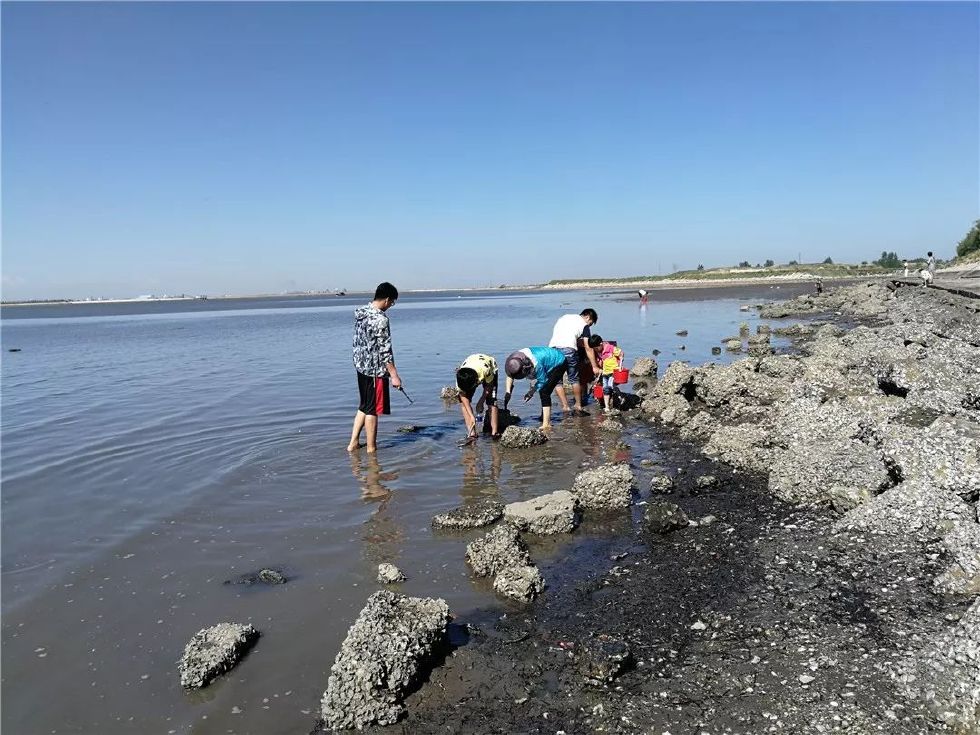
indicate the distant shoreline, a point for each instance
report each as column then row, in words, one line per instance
column 580, row 285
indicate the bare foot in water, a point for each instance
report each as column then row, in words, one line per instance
column 354, row 447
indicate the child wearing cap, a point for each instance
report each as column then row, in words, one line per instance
column 544, row 367
column 475, row 371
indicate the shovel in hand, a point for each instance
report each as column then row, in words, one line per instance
column 402, row 391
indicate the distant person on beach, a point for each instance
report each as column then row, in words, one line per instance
column 570, row 335
column 544, row 367
column 905, row 265
column 476, row 371
column 931, row 265
column 611, row 360
column 374, row 361
column 643, row 295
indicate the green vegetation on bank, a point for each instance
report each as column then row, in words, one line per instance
column 827, row 269
column 971, row 242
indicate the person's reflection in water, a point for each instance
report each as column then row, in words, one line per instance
column 382, row 535
column 480, row 473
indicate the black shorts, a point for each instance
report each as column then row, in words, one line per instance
column 490, row 387
column 373, row 391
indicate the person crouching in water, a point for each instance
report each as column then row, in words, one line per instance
column 544, row 367
column 611, row 360
column 477, row 370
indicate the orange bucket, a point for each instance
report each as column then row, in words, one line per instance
column 621, row 376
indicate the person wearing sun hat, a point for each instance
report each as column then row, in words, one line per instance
column 544, row 367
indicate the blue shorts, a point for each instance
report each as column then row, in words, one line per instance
column 571, row 359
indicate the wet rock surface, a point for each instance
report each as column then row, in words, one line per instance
column 213, row 651
column 472, row 515
column 602, row 658
column 262, row 576
column 521, row 583
column 544, row 515
column 522, row 437
column 608, row 486
column 664, row 517
column 500, row 548
column 387, row 650
column 390, row 574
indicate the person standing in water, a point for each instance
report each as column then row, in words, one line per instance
column 374, row 362
column 571, row 335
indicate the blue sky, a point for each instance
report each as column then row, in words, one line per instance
column 224, row 147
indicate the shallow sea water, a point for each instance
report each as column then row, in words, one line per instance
column 152, row 451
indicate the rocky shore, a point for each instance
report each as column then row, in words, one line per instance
column 803, row 554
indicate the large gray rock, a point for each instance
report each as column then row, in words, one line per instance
column 804, row 471
column 910, row 510
column 449, row 393
column 661, row 484
column 946, row 674
column 522, row 583
column 745, row 446
column 643, row 367
column 522, row 437
column 500, row 548
column 946, row 453
column 546, row 514
column 473, row 515
column 387, row 649
column 213, row 651
column 606, row 486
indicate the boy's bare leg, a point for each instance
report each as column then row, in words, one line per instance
column 546, row 417
column 577, row 392
column 494, row 424
column 355, row 435
column 371, row 429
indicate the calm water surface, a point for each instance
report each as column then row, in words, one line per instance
column 150, row 452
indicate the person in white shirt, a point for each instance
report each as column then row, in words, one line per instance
column 570, row 335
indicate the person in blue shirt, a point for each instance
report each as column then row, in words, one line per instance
column 544, row 367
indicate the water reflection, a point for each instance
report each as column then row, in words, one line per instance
column 383, row 536
column 481, row 470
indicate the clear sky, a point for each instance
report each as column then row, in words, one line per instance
column 220, row 147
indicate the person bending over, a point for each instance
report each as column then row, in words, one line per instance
column 476, row 371
column 544, row 367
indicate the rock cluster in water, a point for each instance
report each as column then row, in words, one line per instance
column 544, row 515
column 604, row 487
column 473, row 515
column 519, row 437
column 213, row 651
column 386, row 651
column 389, row 574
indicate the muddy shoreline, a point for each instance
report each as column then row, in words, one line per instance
column 809, row 604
